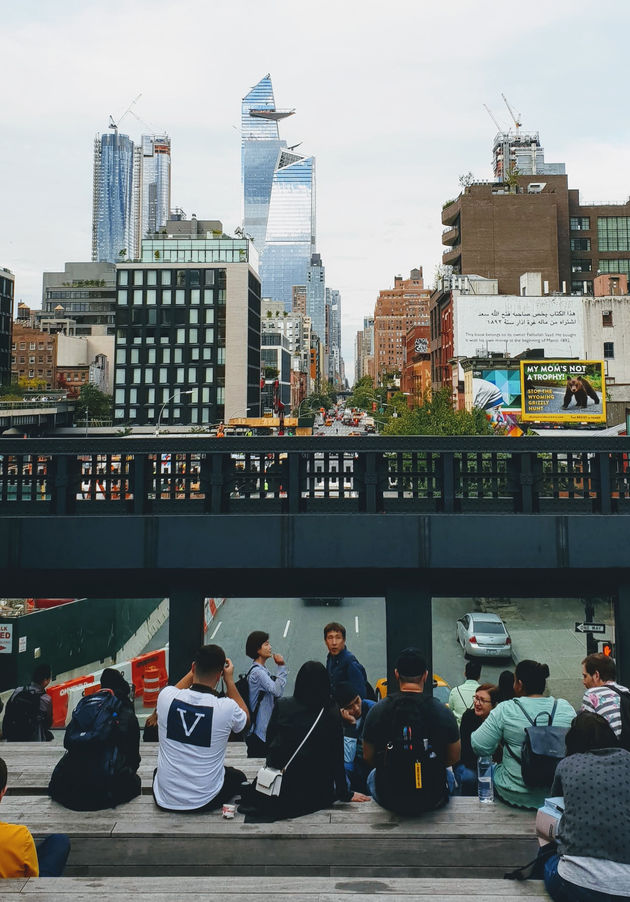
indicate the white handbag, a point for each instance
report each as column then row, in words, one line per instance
column 269, row 779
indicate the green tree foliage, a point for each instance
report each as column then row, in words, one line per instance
column 364, row 394
column 436, row 416
column 93, row 403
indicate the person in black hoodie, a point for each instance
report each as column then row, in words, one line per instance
column 102, row 775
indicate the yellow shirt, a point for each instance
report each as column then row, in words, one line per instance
column 18, row 856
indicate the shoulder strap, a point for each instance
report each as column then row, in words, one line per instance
column 617, row 691
column 462, row 698
column 258, row 700
column 518, row 704
column 303, row 741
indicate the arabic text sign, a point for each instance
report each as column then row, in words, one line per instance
column 562, row 391
column 509, row 324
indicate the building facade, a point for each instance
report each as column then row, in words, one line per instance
column 7, row 291
column 155, row 184
column 34, row 355
column 415, row 379
column 188, row 330
column 397, row 310
column 537, row 224
column 84, row 293
column 364, row 354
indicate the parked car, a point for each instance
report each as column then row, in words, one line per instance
column 484, row 635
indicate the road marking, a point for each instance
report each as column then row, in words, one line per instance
column 216, row 629
column 356, row 624
column 286, row 629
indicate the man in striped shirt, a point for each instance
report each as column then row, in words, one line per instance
column 598, row 675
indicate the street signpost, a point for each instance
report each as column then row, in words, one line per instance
column 590, row 627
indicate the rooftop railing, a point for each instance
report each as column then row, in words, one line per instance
column 367, row 474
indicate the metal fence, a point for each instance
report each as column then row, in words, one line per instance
column 199, row 474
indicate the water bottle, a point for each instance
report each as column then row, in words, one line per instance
column 484, row 779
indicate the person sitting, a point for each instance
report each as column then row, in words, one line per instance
column 408, row 742
column 506, row 724
column 602, row 692
column 316, row 777
column 18, row 855
column 28, row 716
column 194, row 725
column 353, row 710
column 264, row 689
column 461, row 697
column 101, row 773
column 484, row 700
column 593, row 860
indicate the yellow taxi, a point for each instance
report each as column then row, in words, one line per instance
column 441, row 689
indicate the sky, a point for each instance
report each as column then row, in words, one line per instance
column 388, row 97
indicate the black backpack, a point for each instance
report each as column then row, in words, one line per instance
column 22, row 718
column 93, row 727
column 624, row 710
column 410, row 773
column 542, row 750
column 242, row 684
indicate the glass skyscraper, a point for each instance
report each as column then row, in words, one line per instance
column 114, row 217
column 132, row 193
column 278, row 195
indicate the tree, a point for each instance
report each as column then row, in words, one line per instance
column 437, row 416
column 365, row 394
column 93, row 404
column 33, row 384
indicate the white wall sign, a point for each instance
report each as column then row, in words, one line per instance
column 6, row 638
column 509, row 324
column 22, row 644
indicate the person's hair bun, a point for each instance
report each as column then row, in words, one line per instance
column 544, row 669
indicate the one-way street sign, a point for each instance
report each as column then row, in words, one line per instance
column 590, row 627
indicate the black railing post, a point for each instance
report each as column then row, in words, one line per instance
column 602, row 482
column 216, row 482
column 63, row 499
column 447, row 462
column 293, row 487
column 139, row 482
column 370, row 478
column 527, row 482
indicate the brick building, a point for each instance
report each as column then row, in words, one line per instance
column 34, row 354
column 500, row 230
column 397, row 310
column 416, row 373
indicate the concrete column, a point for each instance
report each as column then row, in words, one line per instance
column 185, row 631
column 622, row 632
column 408, row 623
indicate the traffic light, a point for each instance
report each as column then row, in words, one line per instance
column 607, row 648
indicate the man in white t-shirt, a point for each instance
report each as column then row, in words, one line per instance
column 194, row 726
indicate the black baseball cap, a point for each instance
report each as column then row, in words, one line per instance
column 411, row 663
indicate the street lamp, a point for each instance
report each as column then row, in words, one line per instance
column 168, row 400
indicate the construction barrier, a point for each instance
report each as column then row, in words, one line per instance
column 59, row 696
column 150, row 686
column 151, row 659
column 210, row 608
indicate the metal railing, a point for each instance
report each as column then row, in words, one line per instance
column 296, row 475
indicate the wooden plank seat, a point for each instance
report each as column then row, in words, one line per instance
column 291, row 889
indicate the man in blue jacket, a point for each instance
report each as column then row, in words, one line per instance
column 341, row 664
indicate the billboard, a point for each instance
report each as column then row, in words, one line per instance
column 563, row 391
column 509, row 324
column 491, row 388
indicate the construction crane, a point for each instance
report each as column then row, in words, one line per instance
column 113, row 124
column 517, row 121
column 493, row 117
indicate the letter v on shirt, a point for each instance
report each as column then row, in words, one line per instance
column 194, row 728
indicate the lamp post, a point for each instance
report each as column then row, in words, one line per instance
column 168, row 400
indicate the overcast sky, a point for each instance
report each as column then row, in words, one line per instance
column 388, row 97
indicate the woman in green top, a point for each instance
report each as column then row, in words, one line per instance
column 506, row 724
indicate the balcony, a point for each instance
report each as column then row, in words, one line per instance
column 451, row 256
column 450, row 212
column 451, row 235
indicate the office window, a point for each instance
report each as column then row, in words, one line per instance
column 151, row 296
column 166, row 355
column 134, row 355
column 133, row 395
column 615, row 266
column 151, row 277
column 581, row 244
column 137, row 296
column 148, row 375
column 195, row 296
column 123, row 276
column 120, row 396
column 151, row 355
column 137, row 277
column 607, row 318
column 609, row 350
column 581, row 265
column 613, row 233
column 180, row 296
column 580, row 223
column 177, row 355
column 165, row 277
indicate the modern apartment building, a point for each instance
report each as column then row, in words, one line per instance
column 278, row 196
column 7, row 288
column 131, row 193
column 316, row 296
column 188, row 329
column 84, row 295
column 397, row 310
column 294, row 327
column 536, row 224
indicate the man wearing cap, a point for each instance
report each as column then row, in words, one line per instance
column 353, row 711
column 429, row 734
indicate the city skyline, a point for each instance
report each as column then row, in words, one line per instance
column 390, row 149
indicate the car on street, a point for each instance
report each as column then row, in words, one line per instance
column 484, row 636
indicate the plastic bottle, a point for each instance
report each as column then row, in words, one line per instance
column 484, row 779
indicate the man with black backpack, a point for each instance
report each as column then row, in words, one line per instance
column 409, row 740
column 102, row 741
column 606, row 697
column 28, row 715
